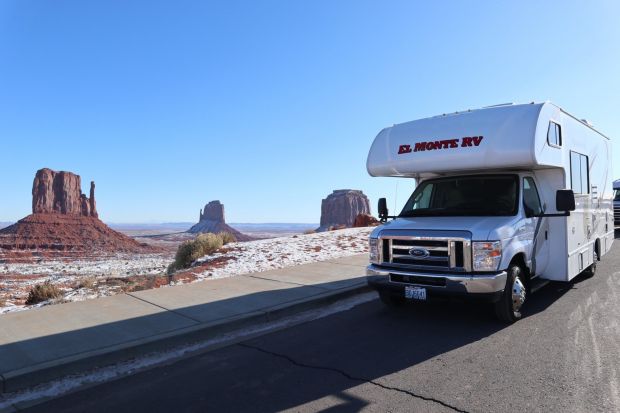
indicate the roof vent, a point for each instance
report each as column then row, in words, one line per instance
column 587, row 122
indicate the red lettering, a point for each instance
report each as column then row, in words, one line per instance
column 404, row 149
column 468, row 141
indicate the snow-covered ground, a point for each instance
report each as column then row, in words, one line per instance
column 77, row 279
column 111, row 266
column 269, row 254
column 90, row 278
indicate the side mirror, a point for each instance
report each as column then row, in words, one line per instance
column 383, row 210
column 565, row 200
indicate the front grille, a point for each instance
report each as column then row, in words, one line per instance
column 616, row 214
column 437, row 253
column 426, row 253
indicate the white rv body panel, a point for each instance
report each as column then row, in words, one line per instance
column 511, row 139
column 507, row 142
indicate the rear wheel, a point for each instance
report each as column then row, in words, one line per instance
column 391, row 300
column 508, row 308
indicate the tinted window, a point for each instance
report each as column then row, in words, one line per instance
column 423, row 199
column 465, row 196
column 531, row 201
column 554, row 134
column 579, row 173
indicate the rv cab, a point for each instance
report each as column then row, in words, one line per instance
column 506, row 197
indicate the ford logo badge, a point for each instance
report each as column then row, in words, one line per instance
column 419, row 253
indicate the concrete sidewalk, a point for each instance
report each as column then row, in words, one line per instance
column 43, row 344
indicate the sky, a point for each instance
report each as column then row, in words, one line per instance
column 269, row 106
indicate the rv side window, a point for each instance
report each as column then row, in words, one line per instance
column 579, row 173
column 554, row 134
column 531, row 201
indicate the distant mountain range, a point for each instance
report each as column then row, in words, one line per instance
column 5, row 224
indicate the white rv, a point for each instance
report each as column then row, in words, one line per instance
column 506, row 196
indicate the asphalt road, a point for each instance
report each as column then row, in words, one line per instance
column 563, row 356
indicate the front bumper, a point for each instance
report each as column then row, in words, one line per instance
column 488, row 287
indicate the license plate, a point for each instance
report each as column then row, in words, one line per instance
column 415, row 293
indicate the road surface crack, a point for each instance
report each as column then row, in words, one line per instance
column 353, row 378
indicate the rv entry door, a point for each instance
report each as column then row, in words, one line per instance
column 537, row 226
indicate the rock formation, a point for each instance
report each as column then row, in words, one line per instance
column 212, row 220
column 365, row 220
column 214, row 211
column 63, row 220
column 61, row 193
column 341, row 207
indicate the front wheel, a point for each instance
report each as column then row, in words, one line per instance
column 508, row 308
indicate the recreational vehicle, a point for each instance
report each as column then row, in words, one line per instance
column 507, row 197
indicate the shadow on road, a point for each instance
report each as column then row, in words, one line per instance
column 319, row 360
column 354, row 347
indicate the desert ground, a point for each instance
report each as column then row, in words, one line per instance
column 108, row 274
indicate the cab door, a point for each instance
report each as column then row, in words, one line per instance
column 538, row 227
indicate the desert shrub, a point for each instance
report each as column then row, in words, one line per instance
column 2, row 303
column 86, row 282
column 43, row 292
column 171, row 268
column 190, row 251
column 227, row 237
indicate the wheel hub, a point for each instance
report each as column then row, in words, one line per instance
column 518, row 294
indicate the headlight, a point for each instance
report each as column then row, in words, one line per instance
column 487, row 255
column 374, row 250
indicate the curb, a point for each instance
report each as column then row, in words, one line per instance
column 42, row 373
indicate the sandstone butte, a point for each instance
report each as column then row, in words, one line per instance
column 64, row 221
column 342, row 207
column 212, row 220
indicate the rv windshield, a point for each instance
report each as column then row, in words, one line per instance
column 617, row 195
column 464, row 196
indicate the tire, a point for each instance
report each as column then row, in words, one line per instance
column 508, row 308
column 591, row 270
column 390, row 300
